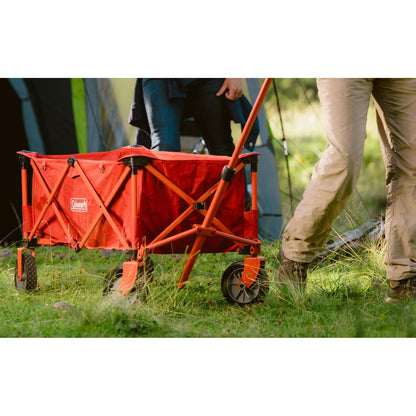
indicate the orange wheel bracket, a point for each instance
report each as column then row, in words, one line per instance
column 252, row 265
column 136, row 275
column 130, row 269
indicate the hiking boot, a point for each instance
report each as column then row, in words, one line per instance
column 292, row 272
column 398, row 290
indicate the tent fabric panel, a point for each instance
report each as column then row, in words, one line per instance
column 14, row 139
column 270, row 214
column 30, row 123
column 123, row 91
column 92, row 105
column 51, row 99
column 80, row 116
column 253, row 86
column 105, row 128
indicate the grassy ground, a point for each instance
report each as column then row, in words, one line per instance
column 344, row 298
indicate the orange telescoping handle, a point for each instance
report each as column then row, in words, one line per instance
column 223, row 184
column 236, row 154
column 249, row 124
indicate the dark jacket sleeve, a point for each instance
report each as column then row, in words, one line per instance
column 138, row 117
column 239, row 113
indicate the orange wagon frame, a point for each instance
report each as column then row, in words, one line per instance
column 137, row 253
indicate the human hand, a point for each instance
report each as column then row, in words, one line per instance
column 233, row 88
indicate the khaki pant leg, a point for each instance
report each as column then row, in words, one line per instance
column 345, row 106
column 396, row 110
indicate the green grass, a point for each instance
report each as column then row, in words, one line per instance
column 344, row 298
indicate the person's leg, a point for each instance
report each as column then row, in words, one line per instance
column 344, row 105
column 164, row 115
column 211, row 114
column 396, row 110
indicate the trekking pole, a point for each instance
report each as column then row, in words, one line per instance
column 285, row 148
column 226, row 178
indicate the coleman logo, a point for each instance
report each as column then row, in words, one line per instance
column 79, row 205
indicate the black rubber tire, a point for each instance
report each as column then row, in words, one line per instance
column 144, row 277
column 112, row 279
column 235, row 291
column 29, row 280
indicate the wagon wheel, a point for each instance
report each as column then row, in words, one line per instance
column 29, row 280
column 236, row 292
column 112, row 278
column 140, row 288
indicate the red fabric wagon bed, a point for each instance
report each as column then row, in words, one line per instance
column 132, row 195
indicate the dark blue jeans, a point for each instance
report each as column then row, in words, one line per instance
column 210, row 112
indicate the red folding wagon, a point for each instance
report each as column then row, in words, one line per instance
column 144, row 203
